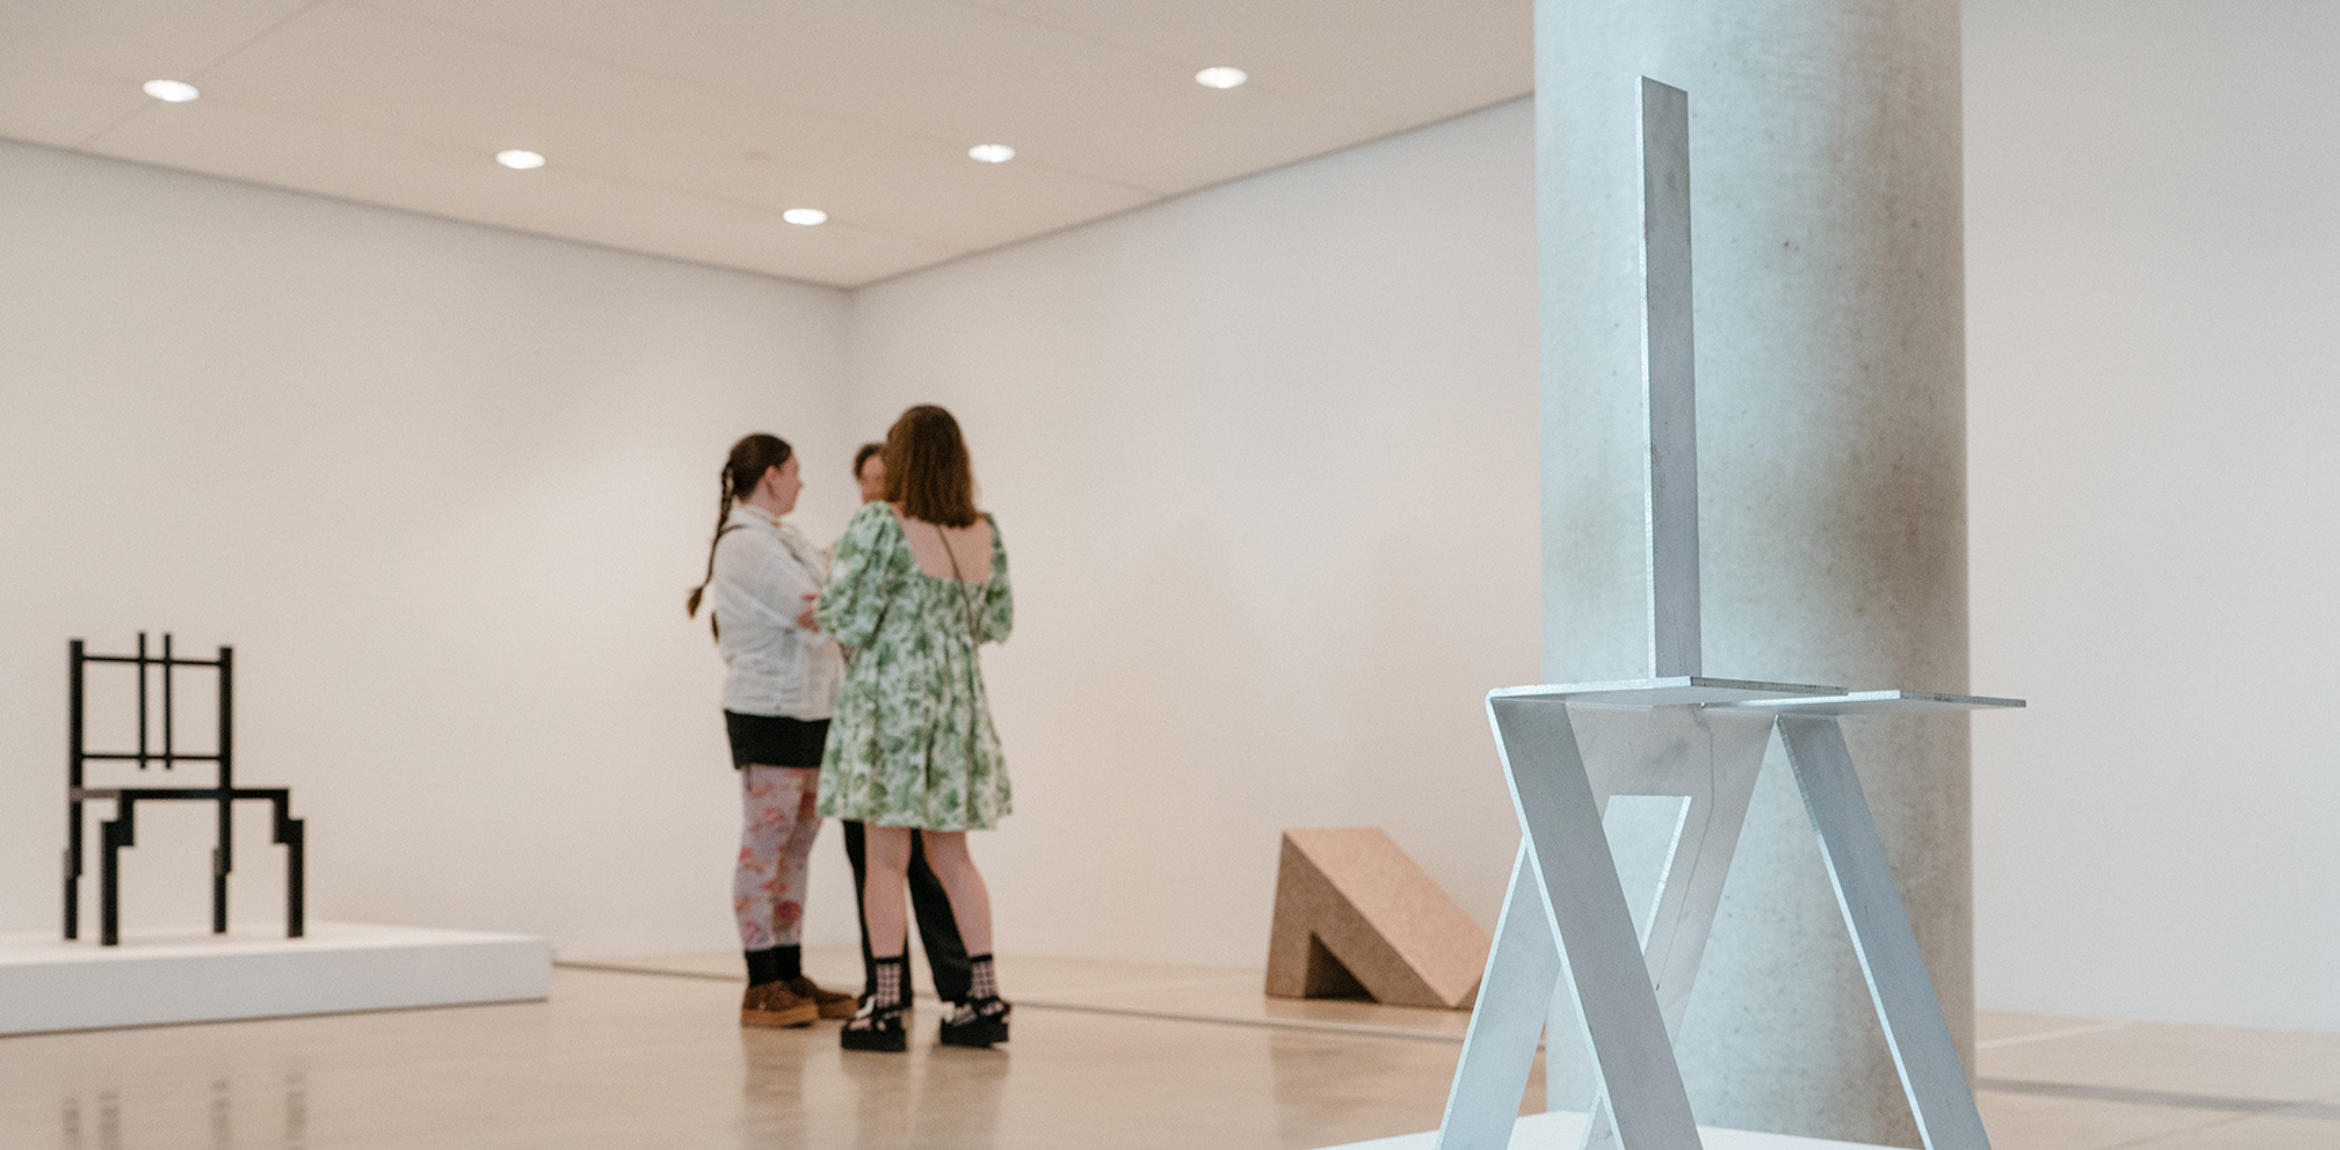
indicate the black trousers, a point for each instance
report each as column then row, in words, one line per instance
column 938, row 928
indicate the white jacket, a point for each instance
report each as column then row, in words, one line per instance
column 763, row 570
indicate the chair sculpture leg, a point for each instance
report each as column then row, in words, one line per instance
column 1499, row 1050
column 73, row 872
column 293, row 834
column 223, row 860
column 1711, row 759
column 113, row 834
column 1915, row 1030
column 1607, row 973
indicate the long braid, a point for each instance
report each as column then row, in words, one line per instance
column 722, row 516
column 750, row 458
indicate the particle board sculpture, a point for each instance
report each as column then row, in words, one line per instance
column 1567, row 749
column 122, row 830
column 1355, row 915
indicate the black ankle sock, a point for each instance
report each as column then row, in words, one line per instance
column 983, row 979
column 791, row 961
column 764, row 965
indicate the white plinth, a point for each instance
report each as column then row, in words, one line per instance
column 1565, row 1128
column 49, row 984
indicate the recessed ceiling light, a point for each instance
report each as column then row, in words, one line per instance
column 1221, row 77
column 171, row 91
column 805, row 217
column 991, row 153
column 520, row 159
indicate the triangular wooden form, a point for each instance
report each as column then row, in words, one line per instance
column 1353, row 912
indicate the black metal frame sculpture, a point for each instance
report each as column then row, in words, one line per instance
column 122, row 830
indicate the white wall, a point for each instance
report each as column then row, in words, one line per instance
column 1265, row 462
column 443, row 487
column 2154, row 276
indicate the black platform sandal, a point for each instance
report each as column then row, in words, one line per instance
column 978, row 1022
column 876, row 1028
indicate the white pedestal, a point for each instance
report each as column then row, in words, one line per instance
column 1565, row 1128
column 49, row 984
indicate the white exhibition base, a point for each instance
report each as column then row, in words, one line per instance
column 48, row 984
column 1564, row 1130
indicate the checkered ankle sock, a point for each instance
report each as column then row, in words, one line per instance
column 985, row 983
column 890, row 972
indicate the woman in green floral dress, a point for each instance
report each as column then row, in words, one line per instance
column 919, row 582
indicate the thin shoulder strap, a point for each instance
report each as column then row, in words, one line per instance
column 966, row 598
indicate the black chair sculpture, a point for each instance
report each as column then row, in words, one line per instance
column 122, row 830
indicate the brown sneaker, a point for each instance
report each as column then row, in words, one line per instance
column 831, row 1003
column 774, row 1004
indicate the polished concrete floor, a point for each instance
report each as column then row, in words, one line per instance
column 647, row 1053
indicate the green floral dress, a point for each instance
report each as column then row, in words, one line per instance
column 912, row 743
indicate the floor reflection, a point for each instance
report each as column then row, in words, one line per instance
column 72, row 1125
column 223, row 1123
column 772, row 1101
column 620, row 1060
column 166, row 1116
column 296, row 1110
column 801, row 1091
column 883, row 1102
column 973, row 1081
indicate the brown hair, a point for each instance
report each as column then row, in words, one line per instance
column 862, row 456
column 750, row 458
column 927, row 471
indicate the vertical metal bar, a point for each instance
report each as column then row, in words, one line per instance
column 227, row 718
column 73, row 778
column 219, row 875
column 293, row 833
column 170, row 755
column 223, row 856
column 142, row 700
column 114, row 834
column 1499, row 1050
column 1915, row 1031
column 1585, row 903
column 1669, row 366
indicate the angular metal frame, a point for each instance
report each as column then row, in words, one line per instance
column 1566, row 920
column 122, row 830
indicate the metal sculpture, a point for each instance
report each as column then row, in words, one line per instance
column 1568, row 749
column 122, row 830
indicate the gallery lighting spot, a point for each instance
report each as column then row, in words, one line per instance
column 170, row 91
column 991, row 153
column 1221, row 77
column 805, row 217
column 520, row 159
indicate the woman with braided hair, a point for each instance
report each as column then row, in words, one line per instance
column 779, row 688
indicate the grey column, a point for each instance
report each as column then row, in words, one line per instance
column 1825, row 196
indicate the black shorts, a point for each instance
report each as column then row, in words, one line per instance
column 775, row 740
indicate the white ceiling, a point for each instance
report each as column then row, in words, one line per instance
column 684, row 127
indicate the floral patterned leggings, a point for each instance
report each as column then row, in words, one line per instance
column 775, row 842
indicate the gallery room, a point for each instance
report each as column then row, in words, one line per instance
column 1076, row 573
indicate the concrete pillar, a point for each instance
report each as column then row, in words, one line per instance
column 1825, row 194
